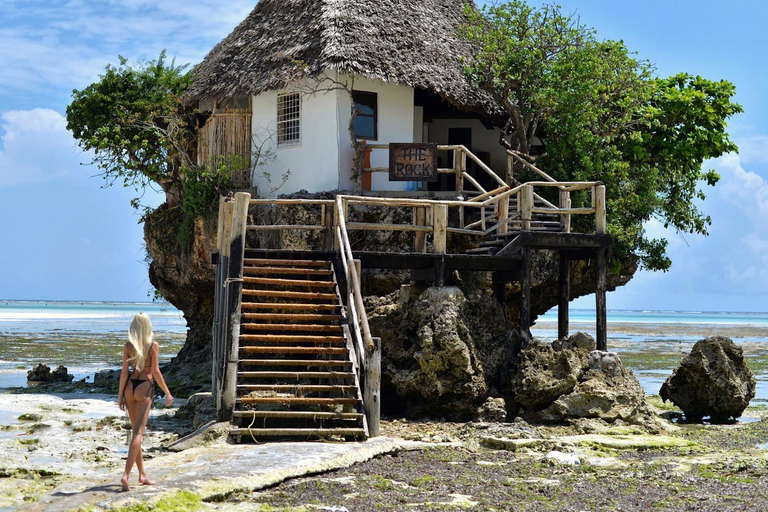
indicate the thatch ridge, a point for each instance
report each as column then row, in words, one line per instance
column 410, row 42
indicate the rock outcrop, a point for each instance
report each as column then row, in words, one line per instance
column 443, row 353
column 43, row 373
column 713, row 380
column 181, row 270
column 569, row 380
column 419, row 349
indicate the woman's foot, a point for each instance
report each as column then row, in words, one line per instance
column 124, row 483
column 144, row 480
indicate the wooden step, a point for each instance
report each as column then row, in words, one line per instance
column 296, row 401
column 287, row 271
column 295, row 375
column 299, row 415
column 266, row 262
column 291, row 339
column 285, row 317
column 295, row 388
column 291, row 327
column 288, row 306
column 280, row 294
column 294, row 350
column 297, row 432
column 336, row 363
column 288, row 283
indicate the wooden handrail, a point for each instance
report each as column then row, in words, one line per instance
column 346, row 253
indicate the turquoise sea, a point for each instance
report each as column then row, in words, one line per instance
column 83, row 336
column 88, row 336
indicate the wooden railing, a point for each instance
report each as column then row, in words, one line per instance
column 497, row 200
column 429, row 217
column 459, row 169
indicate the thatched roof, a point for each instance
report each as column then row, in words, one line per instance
column 409, row 42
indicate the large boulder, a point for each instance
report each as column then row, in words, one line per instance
column 442, row 352
column 713, row 380
column 569, row 380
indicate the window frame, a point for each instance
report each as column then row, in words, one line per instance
column 285, row 117
column 355, row 95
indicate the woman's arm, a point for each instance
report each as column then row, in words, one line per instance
column 158, row 375
column 123, row 379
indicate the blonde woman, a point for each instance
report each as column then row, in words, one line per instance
column 137, row 392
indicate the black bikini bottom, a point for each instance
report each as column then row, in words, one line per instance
column 135, row 383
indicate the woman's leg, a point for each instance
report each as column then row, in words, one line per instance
column 138, row 405
column 143, row 478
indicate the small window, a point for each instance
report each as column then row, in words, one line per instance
column 366, row 121
column 288, row 119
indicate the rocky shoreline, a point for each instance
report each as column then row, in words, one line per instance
column 67, row 442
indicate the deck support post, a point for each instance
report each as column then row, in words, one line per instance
column 600, row 303
column 525, row 299
column 220, row 319
column 372, row 392
column 234, row 288
column 329, row 227
column 420, row 219
column 564, row 296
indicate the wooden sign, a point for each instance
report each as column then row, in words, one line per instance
column 412, row 162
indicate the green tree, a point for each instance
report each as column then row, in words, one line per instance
column 586, row 109
column 134, row 122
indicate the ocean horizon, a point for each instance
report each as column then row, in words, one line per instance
column 88, row 336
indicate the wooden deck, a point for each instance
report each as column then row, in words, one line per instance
column 301, row 332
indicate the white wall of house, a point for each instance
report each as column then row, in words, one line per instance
column 313, row 162
column 483, row 139
column 395, row 124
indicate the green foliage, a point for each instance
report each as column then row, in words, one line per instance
column 132, row 119
column 602, row 116
column 182, row 501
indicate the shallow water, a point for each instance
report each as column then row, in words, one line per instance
column 85, row 337
column 653, row 344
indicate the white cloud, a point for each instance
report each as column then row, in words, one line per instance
column 46, row 44
column 36, row 147
column 746, row 190
column 753, row 149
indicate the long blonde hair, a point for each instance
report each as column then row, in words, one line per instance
column 140, row 337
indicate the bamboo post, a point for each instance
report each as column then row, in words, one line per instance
column 224, row 230
column 564, row 296
column 216, row 305
column 420, row 219
column 457, row 170
column 459, row 164
column 510, row 177
column 440, row 218
column 565, row 203
column 329, row 240
column 600, row 302
column 234, row 292
column 600, row 217
column 358, row 268
column 372, row 392
column 502, row 213
column 526, row 205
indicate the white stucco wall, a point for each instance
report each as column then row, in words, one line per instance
column 313, row 163
column 395, row 124
column 483, row 140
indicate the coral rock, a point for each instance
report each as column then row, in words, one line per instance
column 713, row 380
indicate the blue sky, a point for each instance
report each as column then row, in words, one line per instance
column 67, row 238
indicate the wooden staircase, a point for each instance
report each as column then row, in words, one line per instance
column 515, row 238
column 296, row 377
